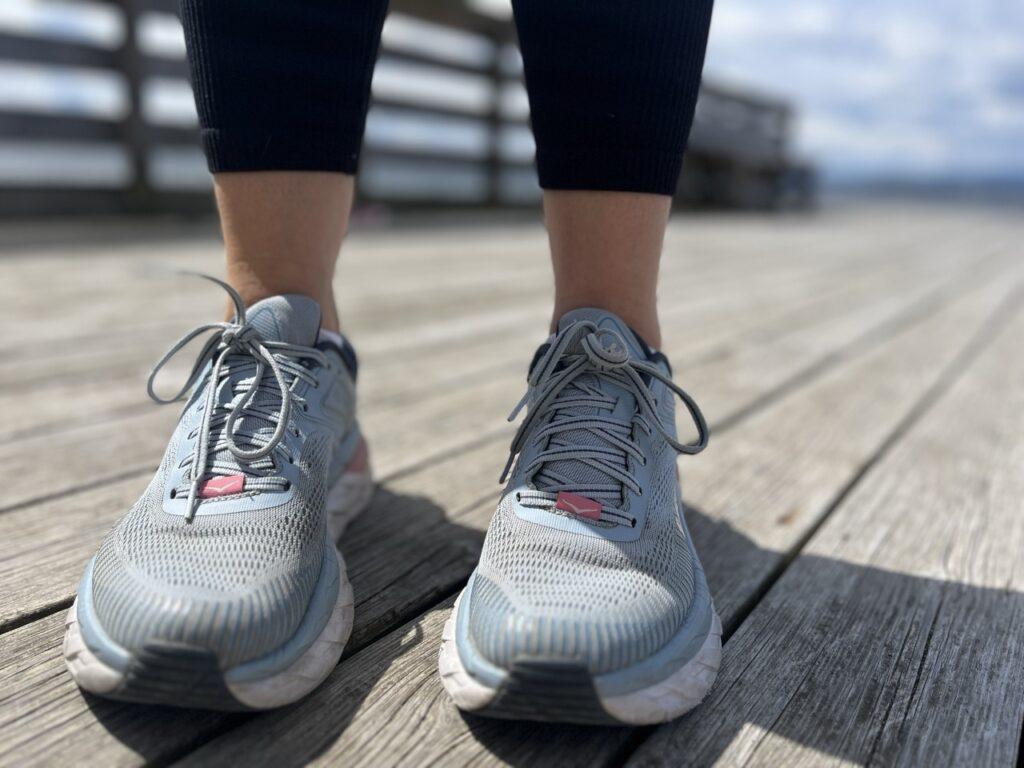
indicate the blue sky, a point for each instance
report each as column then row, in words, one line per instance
column 919, row 88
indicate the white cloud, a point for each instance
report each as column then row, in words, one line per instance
column 923, row 86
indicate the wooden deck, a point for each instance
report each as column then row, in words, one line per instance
column 860, row 511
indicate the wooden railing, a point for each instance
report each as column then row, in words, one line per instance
column 96, row 116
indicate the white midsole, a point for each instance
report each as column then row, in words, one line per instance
column 666, row 700
column 347, row 498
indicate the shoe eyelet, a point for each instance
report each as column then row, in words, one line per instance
column 287, row 485
column 519, row 497
column 174, row 493
column 632, row 523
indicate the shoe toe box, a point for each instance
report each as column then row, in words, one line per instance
column 554, row 626
column 238, row 594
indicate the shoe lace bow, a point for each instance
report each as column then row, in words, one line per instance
column 233, row 350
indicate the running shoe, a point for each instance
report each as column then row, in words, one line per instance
column 222, row 587
column 589, row 604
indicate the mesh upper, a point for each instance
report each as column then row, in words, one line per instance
column 545, row 592
column 577, row 471
column 541, row 591
column 237, row 584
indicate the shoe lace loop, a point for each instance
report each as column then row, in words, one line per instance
column 234, row 346
column 565, row 380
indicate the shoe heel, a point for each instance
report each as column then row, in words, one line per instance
column 351, row 492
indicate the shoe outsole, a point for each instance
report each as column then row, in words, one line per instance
column 563, row 692
column 186, row 676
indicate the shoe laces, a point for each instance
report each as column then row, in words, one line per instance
column 233, row 351
column 567, row 399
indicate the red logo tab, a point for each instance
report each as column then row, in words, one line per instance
column 221, row 486
column 360, row 459
column 580, row 506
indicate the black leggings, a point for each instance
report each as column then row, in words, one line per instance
column 285, row 84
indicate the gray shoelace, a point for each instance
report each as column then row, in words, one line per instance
column 234, row 350
column 565, row 382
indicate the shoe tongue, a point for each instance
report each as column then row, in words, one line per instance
column 602, row 318
column 577, row 471
column 290, row 318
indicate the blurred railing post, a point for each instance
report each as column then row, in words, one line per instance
column 494, row 120
column 138, row 195
column 143, row 161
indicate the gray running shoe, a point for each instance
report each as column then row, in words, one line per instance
column 589, row 604
column 222, row 587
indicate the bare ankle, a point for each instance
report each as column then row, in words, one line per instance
column 282, row 232
column 605, row 250
column 253, row 290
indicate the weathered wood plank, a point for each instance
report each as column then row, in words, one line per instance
column 423, row 539
column 63, row 532
column 95, row 453
column 113, row 386
column 133, row 440
column 382, row 279
column 110, row 365
column 118, row 734
column 772, row 479
column 895, row 637
column 120, row 294
column 127, row 351
column 135, row 322
column 37, row 703
column 384, row 706
column 473, row 262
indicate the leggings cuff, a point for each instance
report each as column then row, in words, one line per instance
column 611, row 169
column 281, row 150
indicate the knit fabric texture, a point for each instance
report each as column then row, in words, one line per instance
column 548, row 593
column 237, row 584
column 285, row 85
